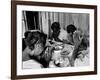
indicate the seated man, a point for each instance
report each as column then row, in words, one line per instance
column 35, row 48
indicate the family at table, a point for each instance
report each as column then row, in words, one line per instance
column 65, row 48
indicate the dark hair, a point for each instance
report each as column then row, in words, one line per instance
column 31, row 38
column 55, row 26
column 71, row 28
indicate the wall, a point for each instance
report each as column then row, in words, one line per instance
column 46, row 19
column 5, row 40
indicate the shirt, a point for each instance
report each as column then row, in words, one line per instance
column 63, row 35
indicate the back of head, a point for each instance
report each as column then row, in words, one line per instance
column 71, row 28
column 55, row 26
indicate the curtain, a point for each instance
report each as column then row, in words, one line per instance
column 80, row 20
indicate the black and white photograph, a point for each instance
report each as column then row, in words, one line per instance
column 52, row 40
column 55, row 39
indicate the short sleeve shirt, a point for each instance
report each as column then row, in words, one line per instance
column 63, row 35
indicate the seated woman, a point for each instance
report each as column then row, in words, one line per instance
column 35, row 49
column 68, row 37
